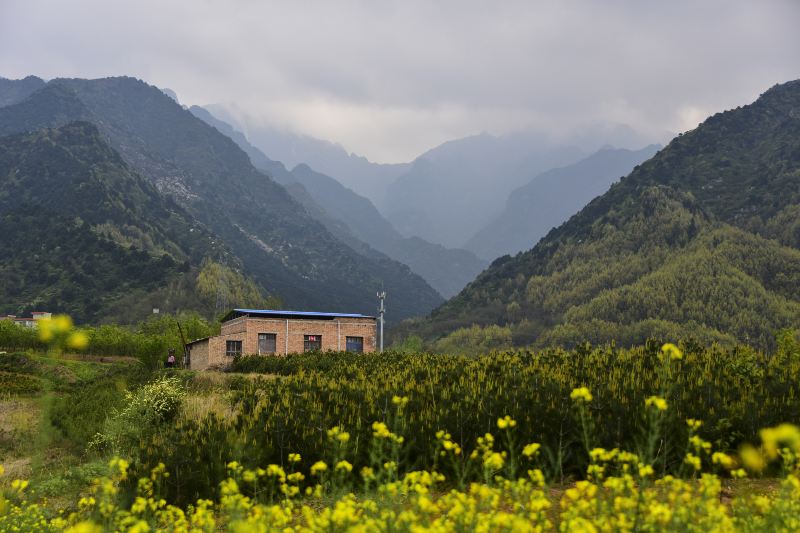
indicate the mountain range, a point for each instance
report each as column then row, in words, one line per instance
column 355, row 172
column 115, row 199
column 551, row 198
column 356, row 221
column 268, row 236
column 700, row 241
column 452, row 191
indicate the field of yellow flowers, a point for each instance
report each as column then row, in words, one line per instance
column 593, row 439
column 620, row 492
column 289, row 403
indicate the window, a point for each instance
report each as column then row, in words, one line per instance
column 266, row 343
column 312, row 343
column 233, row 348
column 355, row 344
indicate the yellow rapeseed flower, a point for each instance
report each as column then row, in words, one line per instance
column 344, row 465
column 318, row 467
column 400, row 401
column 506, row 422
column 78, row 340
column 45, row 327
column 121, row 466
column 693, row 461
column 531, row 449
column 672, row 351
column 581, row 394
column 494, row 461
column 783, row 435
column 338, row 434
column 752, row 458
column 723, row 459
column 657, row 402
column 85, row 527
column 694, row 424
column 380, row 430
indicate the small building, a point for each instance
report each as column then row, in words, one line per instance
column 275, row 332
column 27, row 321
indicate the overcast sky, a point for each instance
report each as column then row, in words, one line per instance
column 391, row 79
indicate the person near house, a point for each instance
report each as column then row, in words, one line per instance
column 171, row 359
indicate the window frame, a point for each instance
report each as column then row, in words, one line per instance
column 273, row 337
column 360, row 343
column 317, row 343
column 233, row 352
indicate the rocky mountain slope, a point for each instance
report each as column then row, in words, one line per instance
column 80, row 232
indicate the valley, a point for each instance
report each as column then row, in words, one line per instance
column 399, row 267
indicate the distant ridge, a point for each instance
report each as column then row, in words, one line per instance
column 699, row 241
column 356, row 221
column 550, row 198
column 13, row 91
column 351, row 170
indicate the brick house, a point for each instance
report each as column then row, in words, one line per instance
column 268, row 332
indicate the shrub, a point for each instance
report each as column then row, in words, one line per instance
column 146, row 411
column 81, row 413
column 14, row 337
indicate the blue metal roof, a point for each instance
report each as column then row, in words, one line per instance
column 299, row 314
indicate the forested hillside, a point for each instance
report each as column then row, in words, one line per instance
column 700, row 241
column 280, row 246
column 81, row 233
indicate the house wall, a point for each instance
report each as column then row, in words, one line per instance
column 289, row 336
column 198, row 355
column 237, row 325
column 333, row 332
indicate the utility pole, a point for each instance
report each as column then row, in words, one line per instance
column 381, row 311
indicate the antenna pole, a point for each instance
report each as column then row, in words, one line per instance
column 381, row 311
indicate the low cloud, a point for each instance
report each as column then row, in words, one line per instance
column 389, row 80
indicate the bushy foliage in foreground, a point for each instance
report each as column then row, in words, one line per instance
column 620, row 492
column 145, row 410
column 735, row 392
